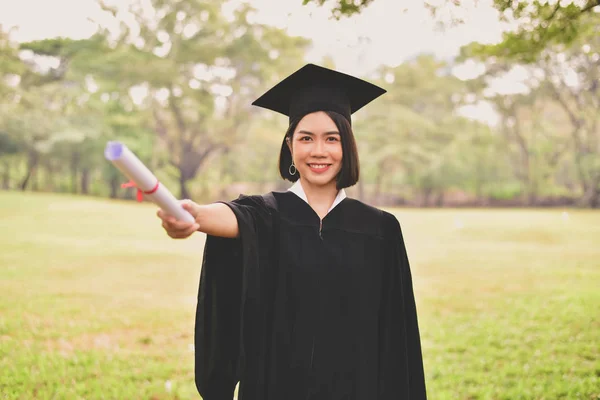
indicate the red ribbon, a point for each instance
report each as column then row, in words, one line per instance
column 140, row 192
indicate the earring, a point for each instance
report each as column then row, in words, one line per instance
column 290, row 169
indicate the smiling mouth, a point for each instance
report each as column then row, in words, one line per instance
column 319, row 167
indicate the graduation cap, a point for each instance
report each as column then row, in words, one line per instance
column 315, row 88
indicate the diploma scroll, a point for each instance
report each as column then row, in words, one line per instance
column 146, row 183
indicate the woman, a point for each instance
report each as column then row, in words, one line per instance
column 306, row 294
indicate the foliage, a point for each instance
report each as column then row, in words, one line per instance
column 539, row 24
column 543, row 24
column 205, row 72
column 342, row 7
column 11, row 66
column 176, row 81
column 554, row 125
column 192, row 103
column 8, row 144
column 413, row 132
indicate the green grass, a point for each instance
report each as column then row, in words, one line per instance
column 96, row 302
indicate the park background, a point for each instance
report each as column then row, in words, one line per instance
column 486, row 147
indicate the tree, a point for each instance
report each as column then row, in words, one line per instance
column 412, row 131
column 579, row 99
column 176, row 86
column 11, row 68
column 199, row 73
column 539, row 24
column 46, row 117
column 342, row 7
column 566, row 81
column 52, row 110
column 534, row 141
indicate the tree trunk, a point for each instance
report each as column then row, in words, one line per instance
column 531, row 196
column 591, row 196
column 50, row 177
column 85, row 181
column 25, row 180
column 582, row 148
column 74, row 165
column 6, row 176
column 426, row 193
column 183, row 190
column 479, row 180
column 35, row 179
column 114, row 187
column 439, row 201
column 32, row 163
column 594, row 199
column 379, row 182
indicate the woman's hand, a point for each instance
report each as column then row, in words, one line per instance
column 213, row 219
column 180, row 229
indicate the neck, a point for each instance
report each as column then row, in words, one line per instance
column 320, row 198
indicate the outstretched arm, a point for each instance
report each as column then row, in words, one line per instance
column 213, row 219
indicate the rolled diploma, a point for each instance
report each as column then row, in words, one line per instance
column 138, row 173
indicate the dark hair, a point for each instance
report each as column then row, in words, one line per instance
column 349, row 173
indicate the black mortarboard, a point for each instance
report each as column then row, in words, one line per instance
column 314, row 88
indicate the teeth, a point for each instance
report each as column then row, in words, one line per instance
column 318, row 165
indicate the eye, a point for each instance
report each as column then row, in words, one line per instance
column 333, row 139
column 305, row 138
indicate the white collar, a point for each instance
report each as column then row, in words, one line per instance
column 299, row 191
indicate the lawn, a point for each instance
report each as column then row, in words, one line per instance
column 96, row 302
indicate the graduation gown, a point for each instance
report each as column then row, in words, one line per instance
column 294, row 309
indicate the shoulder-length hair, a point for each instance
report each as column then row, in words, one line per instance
column 350, row 171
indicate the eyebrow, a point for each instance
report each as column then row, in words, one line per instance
column 326, row 133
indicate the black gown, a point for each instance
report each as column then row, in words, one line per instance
column 298, row 310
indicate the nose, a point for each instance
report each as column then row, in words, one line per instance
column 319, row 149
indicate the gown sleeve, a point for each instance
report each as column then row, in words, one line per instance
column 228, row 274
column 401, row 372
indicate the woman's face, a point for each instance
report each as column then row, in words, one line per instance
column 316, row 148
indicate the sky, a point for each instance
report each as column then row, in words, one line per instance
column 386, row 32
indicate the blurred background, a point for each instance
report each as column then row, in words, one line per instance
column 486, row 147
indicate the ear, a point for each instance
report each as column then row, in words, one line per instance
column 289, row 144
